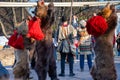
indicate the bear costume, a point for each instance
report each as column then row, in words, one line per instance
column 45, row 61
column 104, row 67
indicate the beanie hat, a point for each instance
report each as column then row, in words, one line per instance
column 83, row 23
column 96, row 26
column 64, row 18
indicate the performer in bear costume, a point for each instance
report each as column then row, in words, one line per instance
column 18, row 41
column 45, row 62
column 102, row 27
column 22, row 40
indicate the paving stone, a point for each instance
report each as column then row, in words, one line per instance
column 78, row 75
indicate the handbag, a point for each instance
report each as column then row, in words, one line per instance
column 60, row 46
column 66, row 47
column 69, row 46
column 73, row 49
column 63, row 47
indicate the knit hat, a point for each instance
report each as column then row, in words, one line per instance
column 82, row 23
column 96, row 26
column 63, row 19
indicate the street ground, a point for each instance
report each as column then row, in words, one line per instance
column 78, row 74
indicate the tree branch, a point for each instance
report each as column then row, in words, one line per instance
column 3, row 29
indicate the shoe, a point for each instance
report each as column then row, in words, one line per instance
column 72, row 74
column 61, row 74
column 55, row 79
column 30, row 77
column 90, row 69
column 82, row 70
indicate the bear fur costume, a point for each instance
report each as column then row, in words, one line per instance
column 45, row 62
column 21, row 68
column 104, row 67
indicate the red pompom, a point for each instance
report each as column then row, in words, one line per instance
column 16, row 41
column 35, row 29
column 96, row 26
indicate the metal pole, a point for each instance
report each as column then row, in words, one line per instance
column 71, row 12
column 57, row 4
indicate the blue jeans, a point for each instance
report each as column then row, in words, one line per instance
column 76, row 53
column 55, row 53
column 89, row 61
column 118, row 53
column 75, row 25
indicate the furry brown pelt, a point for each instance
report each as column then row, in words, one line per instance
column 104, row 68
column 41, row 10
column 44, row 49
column 21, row 67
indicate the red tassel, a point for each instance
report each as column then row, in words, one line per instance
column 19, row 44
column 35, row 29
column 16, row 41
column 12, row 39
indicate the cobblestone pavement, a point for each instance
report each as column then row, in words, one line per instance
column 78, row 74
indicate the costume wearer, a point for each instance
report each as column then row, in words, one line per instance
column 21, row 67
column 17, row 40
column 21, row 40
column 64, row 32
column 45, row 62
column 21, row 43
column 104, row 67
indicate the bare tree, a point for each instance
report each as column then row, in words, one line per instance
column 11, row 16
column 14, row 14
column 3, row 29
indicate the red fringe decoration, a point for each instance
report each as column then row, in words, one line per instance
column 35, row 29
column 16, row 41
